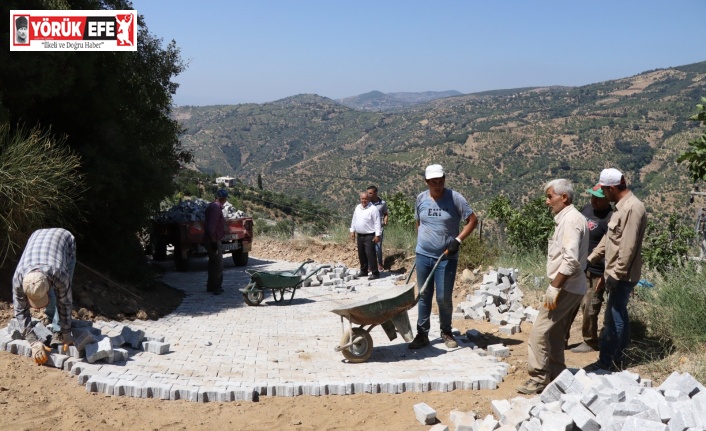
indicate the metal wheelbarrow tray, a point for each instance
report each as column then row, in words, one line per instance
column 280, row 282
column 388, row 309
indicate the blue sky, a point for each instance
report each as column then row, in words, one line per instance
column 260, row 51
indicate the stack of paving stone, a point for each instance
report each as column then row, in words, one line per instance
column 498, row 300
column 334, row 276
column 615, row 402
column 90, row 344
column 195, row 210
column 587, row 402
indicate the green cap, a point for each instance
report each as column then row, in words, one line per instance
column 596, row 191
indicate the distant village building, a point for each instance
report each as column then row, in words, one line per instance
column 227, row 181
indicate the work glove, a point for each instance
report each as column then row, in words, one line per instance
column 68, row 341
column 610, row 283
column 550, row 297
column 453, row 247
column 39, row 352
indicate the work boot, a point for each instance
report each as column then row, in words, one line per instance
column 449, row 340
column 583, row 348
column 531, row 387
column 421, row 340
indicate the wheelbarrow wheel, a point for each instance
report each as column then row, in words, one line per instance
column 253, row 297
column 360, row 351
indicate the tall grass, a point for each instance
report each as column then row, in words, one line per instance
column 532, row 266
column 674, row 310
column 40, row 186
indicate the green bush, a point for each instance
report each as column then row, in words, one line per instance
column 528, row 228
column 39, row 186
column 666, row 243
column 400, row 211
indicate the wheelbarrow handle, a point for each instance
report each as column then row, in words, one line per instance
column 426, row 283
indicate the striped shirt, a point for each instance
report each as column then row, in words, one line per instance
column 53, row 252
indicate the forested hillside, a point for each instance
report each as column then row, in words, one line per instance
column 506, row 141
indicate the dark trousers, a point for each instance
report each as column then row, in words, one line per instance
column 215, row 266
column 590, row 308
column 366, row 253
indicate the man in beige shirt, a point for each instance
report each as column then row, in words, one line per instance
column 566, row 262
column 622, row 249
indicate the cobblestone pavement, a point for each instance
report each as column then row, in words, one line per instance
column 222, row 349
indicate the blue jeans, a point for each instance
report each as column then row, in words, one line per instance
column 443, row 283
column 616, row 326
column 51, row 310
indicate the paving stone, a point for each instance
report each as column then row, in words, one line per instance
column 133, row 337
column 638, row 424
column 101, row 385
column 581, row 416
column 98, row 350
column 556, row 421
column 155, row 347
column 56, row 360
column 128, row 388
column 424, row 414
column 41, row 332
column 439, row 427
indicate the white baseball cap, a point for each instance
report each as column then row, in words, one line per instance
column 434, row 171
column 36, row 286
column 610, row 177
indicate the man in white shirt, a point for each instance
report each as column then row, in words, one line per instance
column 567, row 256
column 367, row 227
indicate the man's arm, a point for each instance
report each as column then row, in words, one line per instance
column 570, row 243
column 471, row 223
column 599, row 252
column 628, row 245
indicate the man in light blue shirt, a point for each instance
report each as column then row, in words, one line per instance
column 439, row 212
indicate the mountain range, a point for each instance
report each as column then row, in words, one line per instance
column 497, row 142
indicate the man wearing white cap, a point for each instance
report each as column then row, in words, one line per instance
column 622, row 249
column 43, row 279
column 438, row 212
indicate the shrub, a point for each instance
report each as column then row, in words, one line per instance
column 39, row 186
column 666, row 243
column 529, row 227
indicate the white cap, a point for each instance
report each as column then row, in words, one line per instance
column 36, row 286
column 610, row 177
column 434, row 171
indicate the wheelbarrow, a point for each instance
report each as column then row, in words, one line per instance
column 280, row 282
column 389, row 310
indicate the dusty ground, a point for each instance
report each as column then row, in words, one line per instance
column 40, row 398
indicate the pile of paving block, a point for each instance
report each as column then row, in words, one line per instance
column 90, row 344
column 498, row 300
column 587, row 401
column 336, row 275
column 195, row 210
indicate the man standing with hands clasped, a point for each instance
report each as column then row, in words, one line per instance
column 367, row 227
column 566, row 262
column 622, row 249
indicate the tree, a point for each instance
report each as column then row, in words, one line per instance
column 114, row 109
column 259, row 181
column 528, row 228
column 696, row 155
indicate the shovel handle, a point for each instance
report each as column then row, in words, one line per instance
column 431, row 274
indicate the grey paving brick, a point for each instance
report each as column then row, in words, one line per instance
column 156, row 347
column 581, row 416
column 101, row 385
column 56, row 360
column 639, row 424
column 156, row 390
column 128, row 388
column 424, row 414
column 98, row 350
